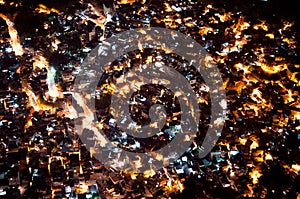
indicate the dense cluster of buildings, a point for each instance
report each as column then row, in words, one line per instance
column 41, row 156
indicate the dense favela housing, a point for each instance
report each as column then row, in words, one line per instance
column 255, row 45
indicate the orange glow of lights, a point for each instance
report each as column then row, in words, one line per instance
column 255, row 174
column 43, row 9
column 14, row 37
